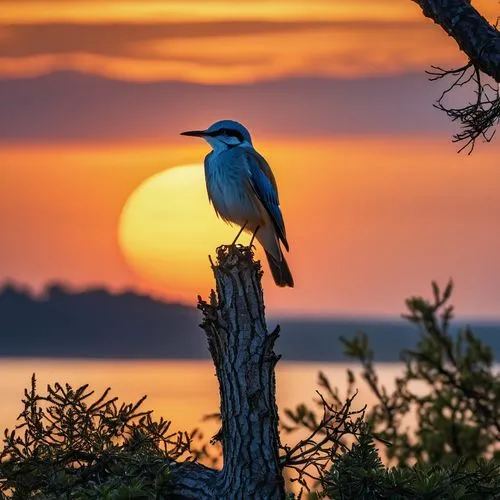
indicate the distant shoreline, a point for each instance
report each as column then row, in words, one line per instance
column 96, row 324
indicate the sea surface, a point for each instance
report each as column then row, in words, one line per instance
column 180, row 391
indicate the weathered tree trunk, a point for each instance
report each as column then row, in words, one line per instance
column 474, row 35
column 242, row 351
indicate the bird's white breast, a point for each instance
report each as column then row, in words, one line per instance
column 229, row 188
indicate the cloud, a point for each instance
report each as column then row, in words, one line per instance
column 24, row 40
column 72, row 106
column 178, row 10
column 224, row 52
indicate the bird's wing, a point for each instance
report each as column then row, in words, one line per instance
column 264, row 185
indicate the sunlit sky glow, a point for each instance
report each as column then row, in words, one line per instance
column 220, row 42
column 370, row 220
column 376, row 200
column 145, row 10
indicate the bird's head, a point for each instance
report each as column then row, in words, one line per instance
column 224, row 134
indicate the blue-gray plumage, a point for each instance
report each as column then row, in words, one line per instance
column 242, row 190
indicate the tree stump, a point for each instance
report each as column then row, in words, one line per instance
column 242, row 351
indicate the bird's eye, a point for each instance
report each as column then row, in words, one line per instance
column 223, row 131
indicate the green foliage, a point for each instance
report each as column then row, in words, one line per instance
column 67, row 446
column 360, row 475
column 450, row 389
column 449, row 385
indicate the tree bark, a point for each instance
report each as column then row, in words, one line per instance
column 474, row 35
column 242, row 351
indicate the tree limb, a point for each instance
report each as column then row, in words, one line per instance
column 478, row 39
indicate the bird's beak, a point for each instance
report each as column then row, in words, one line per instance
column 194, row 133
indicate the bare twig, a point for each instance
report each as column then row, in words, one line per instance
column 477, row 118
column 311, row 458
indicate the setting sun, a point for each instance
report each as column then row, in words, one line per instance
column 167, row 230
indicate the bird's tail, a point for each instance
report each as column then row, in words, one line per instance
column 280, row 270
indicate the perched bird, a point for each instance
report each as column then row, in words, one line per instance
column 243, row 191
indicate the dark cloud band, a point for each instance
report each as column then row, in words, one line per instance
column 122, row 39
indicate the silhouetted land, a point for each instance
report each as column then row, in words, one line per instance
column 98, row 324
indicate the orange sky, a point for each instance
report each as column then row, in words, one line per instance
column 221, row 41
column 376, row 200
column 371, row 220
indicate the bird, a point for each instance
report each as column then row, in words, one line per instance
column 242, row 189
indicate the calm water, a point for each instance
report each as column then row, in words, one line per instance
column 181, row 391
